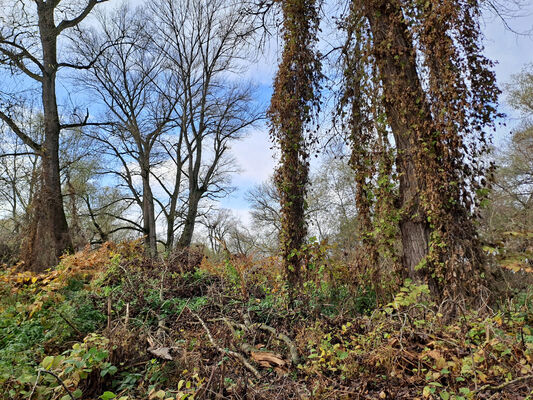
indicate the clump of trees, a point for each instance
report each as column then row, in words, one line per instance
column 168, row 106
column 415, row 103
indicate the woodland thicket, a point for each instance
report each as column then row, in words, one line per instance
column 400, row 268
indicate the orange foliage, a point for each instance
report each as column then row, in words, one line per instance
column 87, row 264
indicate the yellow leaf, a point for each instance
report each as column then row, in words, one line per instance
column 160, row 394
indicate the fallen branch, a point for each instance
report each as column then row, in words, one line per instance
column 40, row 370
column 69, row 323
column 281, row 336
column 226, row 351
column 500, row 387
column 292, row 347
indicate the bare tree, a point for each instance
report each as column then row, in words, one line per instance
column 203, row 41
column 330, row 206
column 29, row 38
column 127, row 77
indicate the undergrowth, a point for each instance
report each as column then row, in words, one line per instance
column 108, row 323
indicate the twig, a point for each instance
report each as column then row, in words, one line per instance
column 70, row 324
column 108, row 313
column 183, row 309
column 226, row 351
column 40, row 370
column 501, row 386
column 127, row 315
column 205, row 387
column 35, row 384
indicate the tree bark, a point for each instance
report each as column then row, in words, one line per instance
column 148, row 209
column 50, row 238
column 409, row 117
column 190, row 220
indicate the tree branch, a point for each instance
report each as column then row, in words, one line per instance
column 84, row 123
column 69, row 23
column 25, row 138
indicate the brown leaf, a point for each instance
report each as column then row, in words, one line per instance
column 267, row 359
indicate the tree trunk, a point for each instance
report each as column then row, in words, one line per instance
column 171, row 218
column 188, row 228
column 409, row 117
column 150, row 237
column 50, row 236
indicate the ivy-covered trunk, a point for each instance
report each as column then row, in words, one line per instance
column 291, row 111
column 439, row 94
column 409, row 118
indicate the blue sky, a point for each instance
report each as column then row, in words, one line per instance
column 510, row 51
column 254, row 154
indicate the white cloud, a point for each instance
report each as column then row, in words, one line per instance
column 255, row 156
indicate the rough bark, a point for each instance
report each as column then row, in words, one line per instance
column 409, row 117
column 148, row 210
column 190, row 220
column 51, row 237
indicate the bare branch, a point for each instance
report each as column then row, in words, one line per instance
column 69, row 23
column 25, row 138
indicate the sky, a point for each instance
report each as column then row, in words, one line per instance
column 510, row 51
column 255, row 155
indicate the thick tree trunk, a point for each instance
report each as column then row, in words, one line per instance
column 190, row 220
column 150, row 237
column 50, row 234
column 409, row 117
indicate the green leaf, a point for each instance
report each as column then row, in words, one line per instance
column 47, row 362
column 342, row 355
column 444, row 395
column 464, row 390
column 108, row 395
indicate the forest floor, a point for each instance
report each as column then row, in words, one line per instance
column 107, row 324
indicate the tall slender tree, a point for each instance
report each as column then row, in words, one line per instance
column 203, row 42
column 126, row 78
column 291, row 111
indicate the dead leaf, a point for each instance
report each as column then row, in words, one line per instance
column 267, row 359
column 161, row 352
